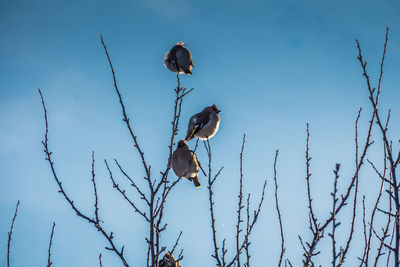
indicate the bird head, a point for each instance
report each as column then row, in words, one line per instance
column 215, row 109
column 182, row 144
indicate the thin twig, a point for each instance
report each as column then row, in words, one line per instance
column 240, row 200
column 96, row 207
column 126, row 119
column 247, row 264
column 335, row 199
column 10, row 234
column 176, row 243
column 61, row 190
column 101, row 264
column 279, row 212
column 348, row 242
column 123, row 193
column 49, row 263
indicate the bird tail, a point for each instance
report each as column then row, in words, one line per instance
column 188, row 72
column 190, row 135
column 196, row 181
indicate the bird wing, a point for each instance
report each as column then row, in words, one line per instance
column 197, row 122
column 194, row 163
column 184, row 58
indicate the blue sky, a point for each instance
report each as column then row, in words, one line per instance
column 270, row 66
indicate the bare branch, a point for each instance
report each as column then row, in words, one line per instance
column 176, row 243
column 49, row 263
column 125, row 117
column 279, row 212
column 240, row 200
column 256, row 213
column 314, row 224
column 211, row 201
column 371, row 222
column 335, row 199
column 133, row 184
column 10, row 234
column 365, row 233
column 247, row 245
column 92, row 221
column 348, row 242
column 96, row 208
column 123, row 193
column 373, row 97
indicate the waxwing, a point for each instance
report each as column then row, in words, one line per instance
column 205, row 124
column 185, row 164
column 179, row 59
column 168, row 261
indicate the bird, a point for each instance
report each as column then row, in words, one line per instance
column 168, row 261
column 185, row 163
column 179, row 59
column 205, row 124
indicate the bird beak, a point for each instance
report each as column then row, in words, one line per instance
column 218, row 111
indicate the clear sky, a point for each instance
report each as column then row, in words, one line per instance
column 270, row 66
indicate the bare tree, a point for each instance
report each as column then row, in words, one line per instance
column 158, row 189
column 154, row 195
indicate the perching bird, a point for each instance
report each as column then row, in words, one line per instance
column 168, row 261
column 179, row 59
column 205, row 124
column 185, row 164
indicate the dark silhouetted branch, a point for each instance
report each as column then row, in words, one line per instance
column 240, row 200
column 317, row 228
column 335, row 224
column 125, row 117
column 386, row 229
column 92, row 221
column 123, row 193
column 365, row 232
column 343, row 252
column 221, row 258
column 101, row 264
column 247, row 245
column 49, row 262
column 279, row 212
column 374, row 99
column 211, row 181
column 10, row 234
